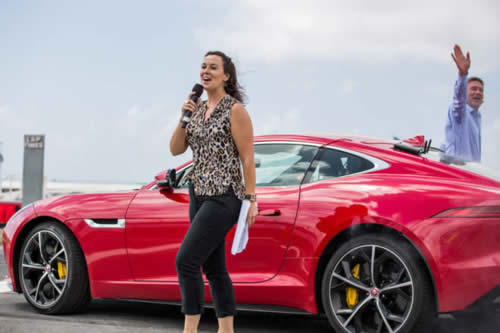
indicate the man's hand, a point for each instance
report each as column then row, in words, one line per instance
column 462, row 62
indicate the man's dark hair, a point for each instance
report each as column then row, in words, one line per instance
column 475, row 78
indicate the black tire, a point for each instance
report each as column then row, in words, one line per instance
column 399, row 289
column 52, row 270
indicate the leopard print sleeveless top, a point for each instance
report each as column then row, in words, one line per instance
column 216, row 160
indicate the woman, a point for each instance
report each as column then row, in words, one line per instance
column 220, row 135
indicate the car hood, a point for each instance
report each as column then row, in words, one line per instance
column 91, row 206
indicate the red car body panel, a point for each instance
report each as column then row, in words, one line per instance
column 95, row 243
column 280, row 264
column 90, row 206
column 350, row 205
column 154, row 235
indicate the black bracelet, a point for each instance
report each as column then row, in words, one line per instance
column 251, row 197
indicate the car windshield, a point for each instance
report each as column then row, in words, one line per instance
column 475, row 167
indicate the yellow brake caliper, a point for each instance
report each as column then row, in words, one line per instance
column 352, row 297
column 61, row 267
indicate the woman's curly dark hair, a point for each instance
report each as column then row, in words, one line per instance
column 232, row 87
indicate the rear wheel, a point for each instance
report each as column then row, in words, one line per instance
column 52, row 270
column 374, row 283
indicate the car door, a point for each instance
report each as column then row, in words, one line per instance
column 157, row 220
column 280, row 168
column 156, row 223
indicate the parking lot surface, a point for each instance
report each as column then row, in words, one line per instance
column 109, row 316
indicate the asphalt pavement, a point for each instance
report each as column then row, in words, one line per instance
column 110, row 316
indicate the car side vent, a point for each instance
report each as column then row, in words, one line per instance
column 105, row 223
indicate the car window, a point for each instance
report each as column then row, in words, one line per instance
column 275, row 165
column 332, row 163
column 282, row 164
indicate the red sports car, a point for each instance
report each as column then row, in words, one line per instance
column 376, row 234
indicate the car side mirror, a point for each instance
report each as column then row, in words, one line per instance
column 170, row 180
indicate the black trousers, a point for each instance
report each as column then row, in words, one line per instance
column 203, row 246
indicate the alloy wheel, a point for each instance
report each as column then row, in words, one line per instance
column 371, row 290
column 44, row 268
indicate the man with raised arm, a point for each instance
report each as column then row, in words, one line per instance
column 463, row 125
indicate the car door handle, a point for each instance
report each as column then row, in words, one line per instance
column 269, row 212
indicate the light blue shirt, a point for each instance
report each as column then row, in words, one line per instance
column 463, row 126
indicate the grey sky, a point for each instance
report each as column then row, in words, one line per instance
column 104, row 80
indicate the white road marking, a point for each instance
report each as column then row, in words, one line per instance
column 5, row 286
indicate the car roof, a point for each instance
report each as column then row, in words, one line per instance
column 314, row 138
column 326, row 138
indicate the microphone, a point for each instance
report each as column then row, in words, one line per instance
column 198, row 90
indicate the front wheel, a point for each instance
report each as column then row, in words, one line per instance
column 374, row 283
column 52, row 270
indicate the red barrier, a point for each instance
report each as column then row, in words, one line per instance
column 7, row 209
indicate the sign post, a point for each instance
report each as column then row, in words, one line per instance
column 34, row 147
column 1, row 161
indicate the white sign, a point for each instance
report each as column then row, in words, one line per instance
column 34, row 141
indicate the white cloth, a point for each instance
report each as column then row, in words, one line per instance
column 241, row 234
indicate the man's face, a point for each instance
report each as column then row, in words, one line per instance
column 475, row 94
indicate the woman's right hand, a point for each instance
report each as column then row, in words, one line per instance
column 178, row 143
column 189, row 104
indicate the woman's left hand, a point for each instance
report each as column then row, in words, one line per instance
column 252, row 213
